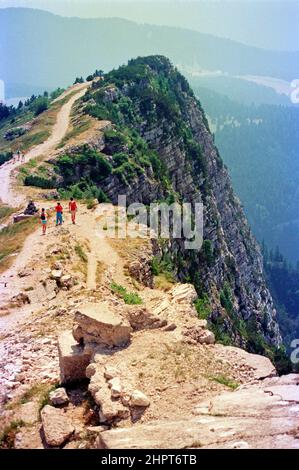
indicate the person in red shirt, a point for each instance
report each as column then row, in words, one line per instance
column 73, row 209
column 59, row 212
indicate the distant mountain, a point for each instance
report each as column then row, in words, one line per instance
column 239, row 91
column 39, row 49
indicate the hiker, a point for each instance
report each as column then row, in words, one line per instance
column 59, row 212
column 73, row 209
column 23, row 157
column 44, row 220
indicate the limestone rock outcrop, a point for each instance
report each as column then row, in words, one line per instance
column 229, row 420
column 73, row 359
column 57, row 427
column 59, row 397
column 98, row 323
column 139, row 399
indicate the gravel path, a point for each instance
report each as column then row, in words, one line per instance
column 7, row 194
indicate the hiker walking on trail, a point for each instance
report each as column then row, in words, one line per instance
column 73, row 209
column 59, row 212
column 44, row 220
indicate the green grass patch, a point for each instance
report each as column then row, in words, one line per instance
column 223, row 380
column 37, row 392
column 81, row 253
column 80, row 127
column 163, row 265
column 12, row 239
column 91, row 203
column 130, row 298
column 203, row 307
column 5, row 211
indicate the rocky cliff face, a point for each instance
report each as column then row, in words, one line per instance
column 159, row 147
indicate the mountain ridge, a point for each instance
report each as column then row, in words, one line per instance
column 115, row 315
column 185, row 164
column 49, row 66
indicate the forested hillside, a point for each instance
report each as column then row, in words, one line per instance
column 31, row 52
column 259, row 144
column 283, row 280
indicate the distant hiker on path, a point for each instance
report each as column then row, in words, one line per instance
column 73, row 209
column 44, row 220
column 59, row 212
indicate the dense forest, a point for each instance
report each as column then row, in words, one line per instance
column 259, row 144
column 234, row 90
column 283, row 280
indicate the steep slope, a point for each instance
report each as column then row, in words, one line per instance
column 160, row 148
column 151, row 362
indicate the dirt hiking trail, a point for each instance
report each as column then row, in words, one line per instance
column 7, row 194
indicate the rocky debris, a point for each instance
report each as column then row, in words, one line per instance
column 261, row 367
column 25, row 272
column 77, row 333
column 116, row 387
column 250, row 417
column 67, row 281
column 31, row 209
column 29, row 412
column 22, row 365
column 59, row 397
column 57, row 427
column 170, row 327
column 73, row 359
column 111, row 409
column 19, row 300
column 141, row 271
column 58, row 264
column 60, row 311
column 139, row 399
column 50, row 286
column 196, row 334
column 96, row 429
column 90, row 370
column 99, row 323
column 183, row 293
column 110, row 372
column 202, row 323
column 56, row 274
column 140, row 318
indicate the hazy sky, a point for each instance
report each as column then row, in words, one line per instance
column 269, row 24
